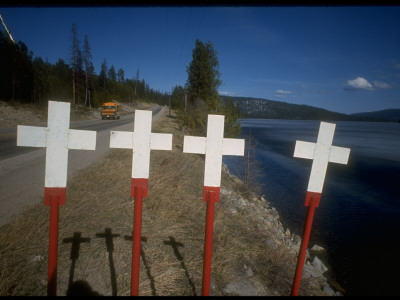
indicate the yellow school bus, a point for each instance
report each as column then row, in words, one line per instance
column 110, row 110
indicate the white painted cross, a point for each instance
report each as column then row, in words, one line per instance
column 58, row 139
column 321, row 152
column 213, row 146
column 141, row 141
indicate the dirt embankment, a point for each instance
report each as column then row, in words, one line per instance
column 252, row 253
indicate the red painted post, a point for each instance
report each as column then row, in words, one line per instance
column 211, row 195
column 312, row 201
column 53, row 197
column 139, row 190
column 53, row 248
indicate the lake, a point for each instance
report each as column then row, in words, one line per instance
column 358, row 219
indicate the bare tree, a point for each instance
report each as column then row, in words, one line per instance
column 75, row 48
column 252, row 173
column 89, row 69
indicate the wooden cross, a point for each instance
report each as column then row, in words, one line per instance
column 321, row 153
column 141, row 141
column 213, row 146
column 58, row 139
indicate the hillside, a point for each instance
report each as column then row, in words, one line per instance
column 392, row 115
column 259, row 108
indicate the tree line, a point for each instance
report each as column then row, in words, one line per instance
column 25, row 79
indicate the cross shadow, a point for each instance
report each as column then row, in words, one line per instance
column 110, row 249
column 152, row 282
column 174, row 244
column 76, row 241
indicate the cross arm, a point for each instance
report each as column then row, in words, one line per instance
column 194, row 144
column 304, row 149
column 81, row 139
column 121, row 139
column 31, row 136
column 233, row 147
column 339, row 155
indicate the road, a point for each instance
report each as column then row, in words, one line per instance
column 22, row 168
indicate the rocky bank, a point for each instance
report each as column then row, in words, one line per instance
column 267, row 219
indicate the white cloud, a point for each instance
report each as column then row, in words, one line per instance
column 282, row 93
column 359, row 83
column 381, row 85
column 223, row 93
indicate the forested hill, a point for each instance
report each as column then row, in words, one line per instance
column 259, row 108
column 388, row 114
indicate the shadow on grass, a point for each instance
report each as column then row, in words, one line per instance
column 80, row 287
column 108, row 236
column 152, row 282
column 174, row 244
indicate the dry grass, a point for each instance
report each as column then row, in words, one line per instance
column 98, row 204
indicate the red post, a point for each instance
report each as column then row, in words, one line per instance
column 211, row 195
column 53, row 197
column 312, row 201
column 139, row 189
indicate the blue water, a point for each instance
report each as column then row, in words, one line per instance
column 358, row 219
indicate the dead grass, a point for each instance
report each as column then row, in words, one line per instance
column 98, row 205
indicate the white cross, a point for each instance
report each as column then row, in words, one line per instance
column 57, row 138
column 322, row 152
column 141, row 140
column 213, row 146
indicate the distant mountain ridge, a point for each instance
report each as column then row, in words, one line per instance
column 260, row 108
column 387, row 114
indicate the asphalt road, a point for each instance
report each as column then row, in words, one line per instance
column 22, row 168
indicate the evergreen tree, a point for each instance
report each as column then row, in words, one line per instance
column 203, row 81
column 111, row 73
column 40, row 82
column 103, row 74
column 80, row 75
column 74, row 60
column 89, row 68
column 203, row 74
column 121, row 75
column 178, row 98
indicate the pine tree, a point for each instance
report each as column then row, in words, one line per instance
column 89, row 69
column 103, row 74
column 75, row 48
column 203, row 74
column 201, row 87
column 121, row 75
column 111, row 73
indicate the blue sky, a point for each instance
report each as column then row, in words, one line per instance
column 344, row 59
